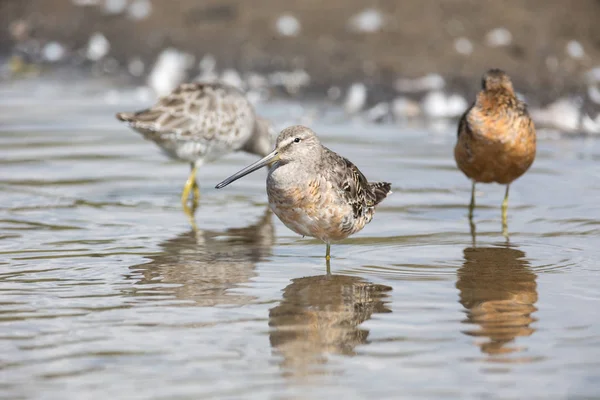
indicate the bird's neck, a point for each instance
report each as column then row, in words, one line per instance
column 495, row 100
column 259, row 142
column 292, row 174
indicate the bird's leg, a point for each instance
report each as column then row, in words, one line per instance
column 473, row 231
column 471, row 207
column 472, row 204
column 327, row 259
column 189, row 212
column 196, row 194
column 190, row 185
column 505, row 212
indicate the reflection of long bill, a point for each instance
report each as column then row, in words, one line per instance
column 268, row 159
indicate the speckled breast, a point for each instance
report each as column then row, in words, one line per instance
column 311, row 208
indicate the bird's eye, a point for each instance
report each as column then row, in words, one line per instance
column 297, row 140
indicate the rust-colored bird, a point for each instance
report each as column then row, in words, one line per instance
column 496, row 137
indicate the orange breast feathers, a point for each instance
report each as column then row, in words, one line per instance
column 313, row 210
column 496, row 141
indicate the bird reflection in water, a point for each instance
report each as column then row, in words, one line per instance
column 320, row 315
column 498, row 290
column 202, row 266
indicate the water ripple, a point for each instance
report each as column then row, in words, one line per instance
column 106, row 289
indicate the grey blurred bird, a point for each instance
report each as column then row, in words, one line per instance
column 200, row 122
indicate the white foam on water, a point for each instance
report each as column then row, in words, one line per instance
column 139, row 9
column 114, row 6
column 53, row 51
column 288, row 25
column 378, row 112
column 231, row 77
column 136, row 66
column 85, row 3
column 168, row 71
column 437, row 104
column 403, row 108
column 356, row 97
column 367, row 21
column 575, row 49
column 590, row 125
column 292, row 81
column 98, row 47
column 463, row 46
column 498, row 37
column 562, row 114
column 424, row 83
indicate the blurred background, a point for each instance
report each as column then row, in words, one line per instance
column 395, row 53
column 108, row 290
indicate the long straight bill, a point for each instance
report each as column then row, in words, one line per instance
column 270, row 158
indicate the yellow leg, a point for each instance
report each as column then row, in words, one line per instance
column 472, row 204
column 195, row 194
column 189, row 212
column 327, row 259
column 189, row 185
column 505, row 212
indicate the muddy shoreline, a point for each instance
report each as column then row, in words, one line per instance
column 323, row 47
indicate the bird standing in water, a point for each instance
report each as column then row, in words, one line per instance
column 496, row 137
column 314, row 191
column 200, row 122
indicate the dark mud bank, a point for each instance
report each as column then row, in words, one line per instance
column 551, row 49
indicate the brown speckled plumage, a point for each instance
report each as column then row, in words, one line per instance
column 496, row 136
column 321, row 194
column 200, row 122
column 314, row 191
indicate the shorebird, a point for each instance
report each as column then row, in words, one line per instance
column 496, row 137
column 313, row 190
column 200, row 122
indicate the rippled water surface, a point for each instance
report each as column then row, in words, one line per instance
column 106, row 291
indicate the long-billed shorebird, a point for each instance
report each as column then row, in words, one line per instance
column 314, row 191
column 496, row 137
column 200, row 122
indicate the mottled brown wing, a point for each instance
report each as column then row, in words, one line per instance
column 523, row 113
column 381, row 190
column 197, row 111
column 463, row 126
column 357, row 191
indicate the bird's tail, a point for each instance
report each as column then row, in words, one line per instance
column 125, row 116
column 381, row 190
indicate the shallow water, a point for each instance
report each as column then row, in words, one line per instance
column 106, row 291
